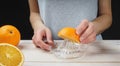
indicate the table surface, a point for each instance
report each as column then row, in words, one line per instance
column 105, row 53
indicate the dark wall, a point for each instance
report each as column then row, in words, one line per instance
column 16, row 12
column 114, row 31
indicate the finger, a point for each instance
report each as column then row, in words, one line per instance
column 34, row 42
column 90, row 39
column 87, row 32
column 44, row 45
column 38, row 39
column 40, row 43
column 49, row 38
column 81, row 27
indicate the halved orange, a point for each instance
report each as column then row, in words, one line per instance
column 10, row 55
column 69, row 33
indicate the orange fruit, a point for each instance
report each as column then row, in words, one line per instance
column 10, row 55
column 69, row 33
column 9, row 34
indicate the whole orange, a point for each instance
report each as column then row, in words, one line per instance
column 9, row 34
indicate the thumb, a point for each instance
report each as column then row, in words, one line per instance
column 82, row 27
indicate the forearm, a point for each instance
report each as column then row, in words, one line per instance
column 36, row 21
column 102, row 23
column 35, row 18
column 104, row 19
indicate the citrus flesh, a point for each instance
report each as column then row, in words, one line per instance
column 10, row 55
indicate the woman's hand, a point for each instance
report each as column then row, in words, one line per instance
column 42, row 38
column 86, row 31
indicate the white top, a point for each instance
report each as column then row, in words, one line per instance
column 57, row 14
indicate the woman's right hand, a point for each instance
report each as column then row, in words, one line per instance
column 41, row 32
column 43, row 38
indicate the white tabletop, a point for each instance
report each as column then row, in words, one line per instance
column 106, row 53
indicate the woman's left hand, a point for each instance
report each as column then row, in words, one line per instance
column 86, row 31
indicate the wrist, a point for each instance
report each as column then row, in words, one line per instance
column 36, row 25
column 40, row 26
column 97, row 29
